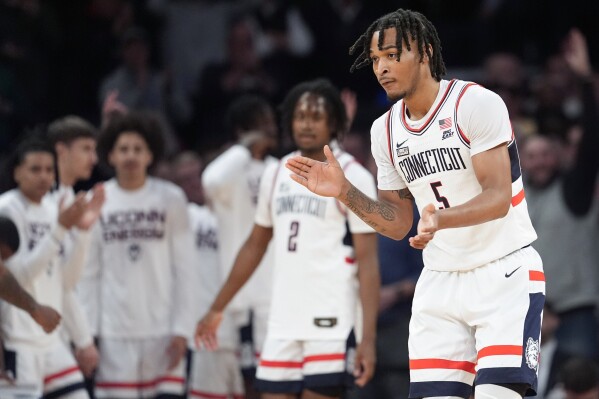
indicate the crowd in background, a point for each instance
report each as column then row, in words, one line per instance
column 187, row 61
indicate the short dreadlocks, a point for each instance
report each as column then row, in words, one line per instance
column 404, row 21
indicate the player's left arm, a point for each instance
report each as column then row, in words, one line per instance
column 181, row 253
column 365, row 247
column 72, row 268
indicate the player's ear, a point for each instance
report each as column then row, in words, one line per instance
column 60, row 148
column 426, row 58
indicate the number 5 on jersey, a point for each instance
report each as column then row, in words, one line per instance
column 435, row 186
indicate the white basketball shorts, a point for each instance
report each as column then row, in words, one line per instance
column 480, row 326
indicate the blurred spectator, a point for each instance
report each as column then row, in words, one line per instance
column 186, row 170
column 563, row 211
column 194, row 35
column 505, row 74
column 140, row 87
column 28, row 39
column 336, row 25
column 579, row 379
column 283, row 40
column 221, row 83
column 552, row 358
column 282, row 29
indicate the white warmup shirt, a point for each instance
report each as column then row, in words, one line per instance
column 231, row 184
column 36, row 266
column 139, row 279
column 432, row 158
column 208, row 279
column 315, row 277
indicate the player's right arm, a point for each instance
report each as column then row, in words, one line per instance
column 390, row 215
column 247, row 260
column 13, row 293
column 221, row 173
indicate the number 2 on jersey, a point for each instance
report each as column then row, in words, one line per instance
column 435, row 186
column 293, row 232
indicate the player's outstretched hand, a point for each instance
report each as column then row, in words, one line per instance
column 322, row 178
column 69, row 216
column 364, row 363
column 206, row 329
column 427, row 226
column 46, row 317
column 175, row 351
column 93, row 208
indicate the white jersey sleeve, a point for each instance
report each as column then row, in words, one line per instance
column 75, row 322
column 76, row 257
column 483, row 118
column 219, row 176
column 181, row 241
column 263, row 215
column 387, row 176
column 88, row 287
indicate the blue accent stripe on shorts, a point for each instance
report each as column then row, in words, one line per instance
column 439, row 388
column 58, row 393
column 326, row 380
column 524, row 374
column 279, row 386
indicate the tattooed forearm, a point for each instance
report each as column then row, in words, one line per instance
column 13, row 293
column 363, row 206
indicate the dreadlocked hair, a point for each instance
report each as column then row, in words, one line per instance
column 405, row 22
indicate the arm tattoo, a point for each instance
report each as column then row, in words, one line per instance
column 363, row 206
column 405, row 193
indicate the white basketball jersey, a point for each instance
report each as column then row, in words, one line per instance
column 315, row 285
column 142, row 258
column 432, row 158
column 36, row 265
column 231, row 184
column 207, row 271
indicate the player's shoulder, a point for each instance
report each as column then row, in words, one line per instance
column 351, row 166
column 9, row 201
column 166, row 188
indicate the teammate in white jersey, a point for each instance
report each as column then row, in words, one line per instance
column 38, row 360
column 141, row 260
column 213, row 374
column 231, row 183
column 10, row 289
column 322, row 254
column 478, row 303
column 74, row 141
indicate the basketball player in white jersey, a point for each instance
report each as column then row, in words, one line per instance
column 140, row 263
column 12, row 292
column 40, row 361
column 449, row 145
column 231, row 183
column 74, row 141
column 213, row 374
column 322, row 254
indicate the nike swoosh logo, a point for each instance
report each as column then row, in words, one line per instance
column 513, row 271
column 400, row 144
